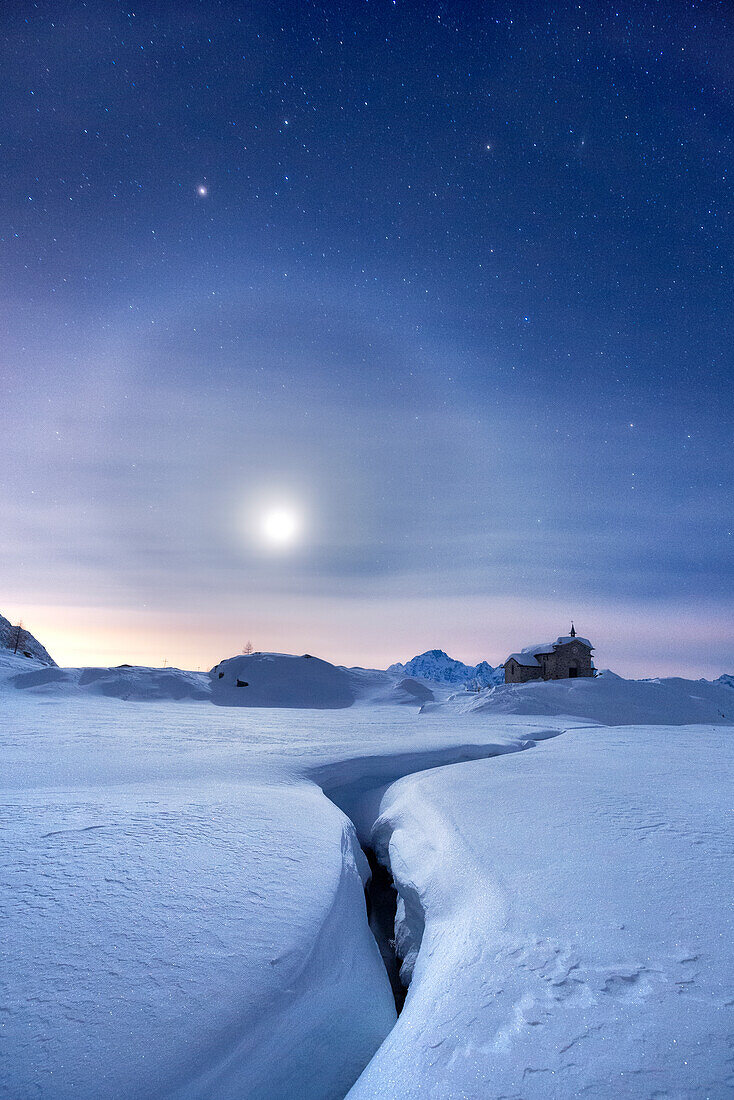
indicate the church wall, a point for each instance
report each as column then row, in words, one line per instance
column 558, row 663
column 521, row 674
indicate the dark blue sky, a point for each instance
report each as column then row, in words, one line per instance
column 458, row 292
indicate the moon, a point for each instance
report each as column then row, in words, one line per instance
column 280, row 527
column 202, row 191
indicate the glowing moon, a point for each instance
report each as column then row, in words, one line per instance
column 280, row 527
column 202, row 191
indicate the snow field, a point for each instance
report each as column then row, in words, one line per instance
column 183, row 913
column 566, row 914
column 185, row 943
column 611, row 700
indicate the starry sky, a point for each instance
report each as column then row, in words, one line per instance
column 452, row 282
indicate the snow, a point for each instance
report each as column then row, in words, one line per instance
column 414, row 690
column 611, row 700
column 527, row 656
column 179, row 917
column 280, row 680
column 182, row 910
column 566, row 914
column 265, row 680
column 128, row 682
column 182, row 884
column 566, row 639
column 168, row 938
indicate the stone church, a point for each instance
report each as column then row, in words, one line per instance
column 569, row 656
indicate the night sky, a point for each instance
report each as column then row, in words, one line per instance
column 450, row 284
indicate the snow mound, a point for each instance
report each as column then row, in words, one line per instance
column 437, row 666
column 612, row 700
column 377, row 688
column 413, row 691
column 128, row 682
column 281, row 680
column 140, row 684
column 184, row 940
column 20, row 641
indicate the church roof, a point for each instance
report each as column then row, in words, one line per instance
column 527, row 657
column 523, row 659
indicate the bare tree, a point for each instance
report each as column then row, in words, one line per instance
column 247, row 648
column 18, row 635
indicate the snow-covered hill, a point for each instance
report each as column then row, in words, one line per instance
column 435, row 665
column 308, row 683
column 131, row 683
column 610, row 700
column 22, row 643
column 280, row 680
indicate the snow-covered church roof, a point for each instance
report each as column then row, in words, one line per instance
column 528, row 657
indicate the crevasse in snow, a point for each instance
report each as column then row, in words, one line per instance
column 184, row 912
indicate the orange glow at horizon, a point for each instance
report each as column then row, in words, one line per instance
column 668, row 642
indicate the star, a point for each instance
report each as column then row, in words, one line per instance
column 202, row 191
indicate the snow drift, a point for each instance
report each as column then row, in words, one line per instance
column 565, row 914
column 187, row 941
column 373, row 686
column 280, row 680
column 128, row 682
column 610, row 700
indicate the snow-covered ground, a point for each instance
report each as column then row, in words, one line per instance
column 569, row 915
column 609, row 700
column 183, row 914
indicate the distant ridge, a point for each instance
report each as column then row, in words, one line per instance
column 437, row 666
column 27, row 645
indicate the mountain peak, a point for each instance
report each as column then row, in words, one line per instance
column 437, row 666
